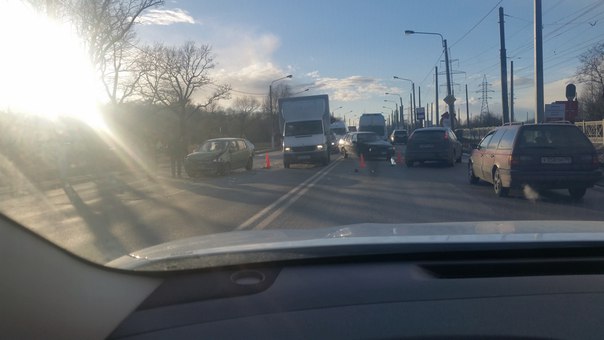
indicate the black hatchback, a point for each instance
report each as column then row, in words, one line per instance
column 543, row 156
column 433, row 144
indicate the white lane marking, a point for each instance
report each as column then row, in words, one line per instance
column 290, row 193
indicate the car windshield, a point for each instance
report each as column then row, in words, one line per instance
column 213, row 146
column 303, row 128
column 339, row 131
column 107, row 106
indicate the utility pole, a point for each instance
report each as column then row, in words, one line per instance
column 467, row 109
column 419, row 98
column 504, row 72
column 436, row 90
column 539, row 102
column 410, row 111
column 449, row 94
column 413, row 118
column 512, row 91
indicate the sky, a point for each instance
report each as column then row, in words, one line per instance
column 351, row 49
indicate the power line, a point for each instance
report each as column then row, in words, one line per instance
column 478, row 23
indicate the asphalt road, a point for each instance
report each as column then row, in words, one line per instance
column 107, row 218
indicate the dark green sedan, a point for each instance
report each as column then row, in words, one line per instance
column 220, row 156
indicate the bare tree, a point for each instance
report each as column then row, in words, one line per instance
column 244, row 107
column 591, row 73
column 105, row 26
column 171, row 75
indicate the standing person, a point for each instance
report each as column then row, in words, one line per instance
column 177, row 155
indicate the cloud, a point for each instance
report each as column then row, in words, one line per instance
column 351, row 88
column 166, row 17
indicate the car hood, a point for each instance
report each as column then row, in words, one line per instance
column 351, row 236
column 205, row 155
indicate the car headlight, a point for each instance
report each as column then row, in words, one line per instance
column 287, row 149
column 320, row 147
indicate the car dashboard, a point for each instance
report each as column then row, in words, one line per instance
column 523, row 293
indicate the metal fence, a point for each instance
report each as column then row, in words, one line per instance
column 593, row 130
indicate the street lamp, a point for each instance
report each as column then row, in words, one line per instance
column 402, row 115
column 270, row 104
column 300, row 92
column 333, row 112
column 413, row 102
column 450, row 100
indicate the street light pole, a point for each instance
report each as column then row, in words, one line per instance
column 411, row 120
column 450, row 101
column 401, row 114
column 270, row 105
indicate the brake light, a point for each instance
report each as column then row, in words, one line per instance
column 446, row 136
column 517, row 160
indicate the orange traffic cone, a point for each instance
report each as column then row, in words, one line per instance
column 267, row 162
column 362, row 162
column 399, row 158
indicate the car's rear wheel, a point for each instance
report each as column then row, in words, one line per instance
column 498, row 187
column 286, row 164
column 250, row 164
column 471, row 176
column 577, row 193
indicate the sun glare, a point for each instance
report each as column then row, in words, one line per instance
column 44, row 67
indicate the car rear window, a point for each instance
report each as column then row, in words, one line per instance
column 550, row 136
column 428, row 136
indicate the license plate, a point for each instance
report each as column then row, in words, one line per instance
column 303, row 157
column 426, row 146
column 556, row 160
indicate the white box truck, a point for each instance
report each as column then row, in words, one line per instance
column 304, row 123
column 374, row 122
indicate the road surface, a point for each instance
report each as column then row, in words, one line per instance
column 104, row 219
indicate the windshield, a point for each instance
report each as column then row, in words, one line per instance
column 304, row 128
column 102, row 102
column 213, row 146
column 339, row 131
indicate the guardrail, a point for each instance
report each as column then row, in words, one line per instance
column 594, row 130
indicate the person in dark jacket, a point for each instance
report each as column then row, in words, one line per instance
column 177, row 151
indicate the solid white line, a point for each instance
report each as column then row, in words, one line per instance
column 290, row 193
column 264, row 223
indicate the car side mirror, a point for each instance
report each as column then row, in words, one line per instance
column 475, row 146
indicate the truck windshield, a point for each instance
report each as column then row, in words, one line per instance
column 312, row 127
